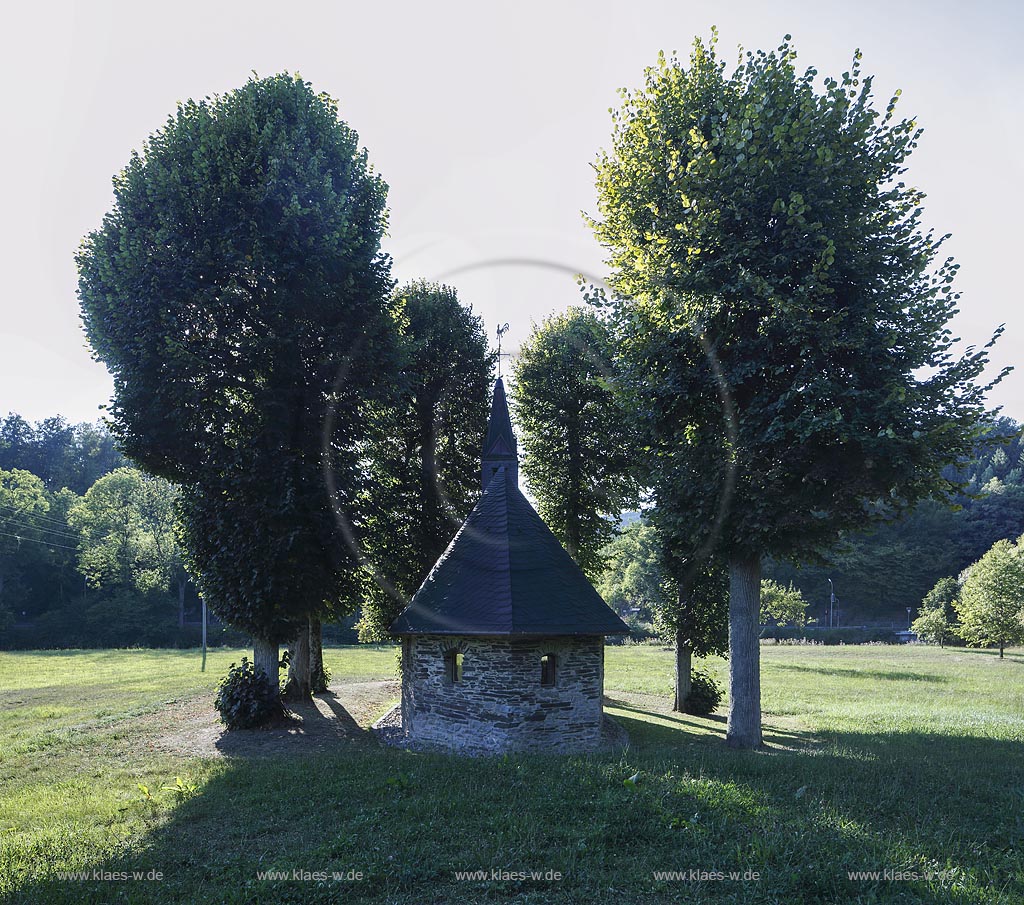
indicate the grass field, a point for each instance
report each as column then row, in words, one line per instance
column 900, row 759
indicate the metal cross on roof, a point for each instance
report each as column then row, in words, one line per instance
column 502, row 330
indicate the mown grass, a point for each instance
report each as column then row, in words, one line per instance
column 898, row 758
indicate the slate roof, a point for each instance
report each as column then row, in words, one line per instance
column 500, row 441
column 505, row 573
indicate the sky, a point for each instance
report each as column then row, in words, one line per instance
column 484, row 119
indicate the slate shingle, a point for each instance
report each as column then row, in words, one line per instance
column 505, row 573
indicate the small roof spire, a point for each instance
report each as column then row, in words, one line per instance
column 500, row 447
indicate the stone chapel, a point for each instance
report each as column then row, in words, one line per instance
column 503, row 644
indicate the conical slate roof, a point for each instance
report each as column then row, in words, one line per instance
column 505, row 573
column 500, row 440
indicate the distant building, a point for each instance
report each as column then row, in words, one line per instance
column 503, row 644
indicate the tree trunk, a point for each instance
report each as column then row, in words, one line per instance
column 1000, row 650
column 684, row 661
column 298, row 685
column 317, row 679
column 265, row 659
column 744, row 727
column 181, row 603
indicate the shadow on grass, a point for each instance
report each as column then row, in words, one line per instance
column 344, row 718
column 873, row 674
column 668, row 724
column 654, row 728
column 1012, row 656
column 309, row 730
column 407, row 822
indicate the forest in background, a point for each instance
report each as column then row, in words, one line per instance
column 88, row 555
column 877, row 574
column 89, row 570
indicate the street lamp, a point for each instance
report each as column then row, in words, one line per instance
column 908, row 619
column 831, row 601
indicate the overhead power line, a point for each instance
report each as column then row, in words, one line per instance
column 44, row 543
column 8, row 522
column 24, row 512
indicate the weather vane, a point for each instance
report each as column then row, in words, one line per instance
column 502, row 330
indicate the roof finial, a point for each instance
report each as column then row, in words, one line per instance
column 502, row 330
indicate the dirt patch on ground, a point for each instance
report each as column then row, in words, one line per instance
column 333, row 720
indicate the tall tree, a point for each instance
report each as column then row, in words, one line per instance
column 634, row 579
column 17, row 444
column 688, row 603
column 991, row 604
column 695, row 614
column 579, row 459
column 781, row 604
column 784, row 318
column 23, row 506
column 937, row 614
column 93, row 455
column 238, row 295
column 127, row 524
column 61, row 454
column 425, row 457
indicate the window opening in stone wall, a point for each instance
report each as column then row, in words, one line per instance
column 547, row 669
column 453, row 666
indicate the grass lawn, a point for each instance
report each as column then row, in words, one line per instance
column 881, row 758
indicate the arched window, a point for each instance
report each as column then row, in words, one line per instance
column 453, row 666
column 547, row 669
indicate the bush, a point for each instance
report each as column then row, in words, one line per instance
column 640, row 630
column 705, row 694
column 247, row 699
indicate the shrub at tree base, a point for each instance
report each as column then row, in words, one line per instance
column 705, row 694
column 247, row 699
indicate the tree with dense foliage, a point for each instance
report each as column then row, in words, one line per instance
column 784, row 318
column 893, row 564
column 127, row 525
column 579, row 459
column 239, row 297
column 62, row 455
column 424, row 461
column 23, row 503
column 696, row 618
column 995, row 513
column 991, row 603
column 693, row 616
column 936, row 616
column 782, row 604
column 634, row 583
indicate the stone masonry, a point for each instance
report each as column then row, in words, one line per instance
column 500, row 704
